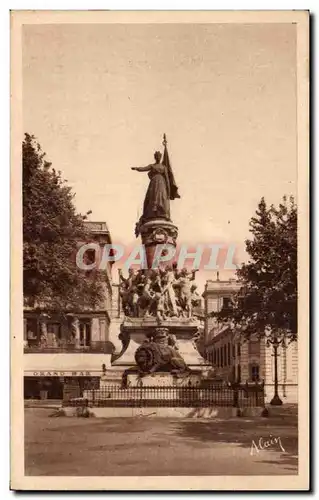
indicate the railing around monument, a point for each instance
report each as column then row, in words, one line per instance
column 169, row 397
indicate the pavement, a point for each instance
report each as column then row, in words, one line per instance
column 64, row 446
column 42, row 403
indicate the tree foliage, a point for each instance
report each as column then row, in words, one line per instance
column 267, row 302
column 52, row 231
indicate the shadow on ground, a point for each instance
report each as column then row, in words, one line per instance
column 153, row 446
column 283, row 424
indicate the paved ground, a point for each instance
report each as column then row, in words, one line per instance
column 141, row 446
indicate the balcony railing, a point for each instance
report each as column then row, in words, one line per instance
column 104, row 347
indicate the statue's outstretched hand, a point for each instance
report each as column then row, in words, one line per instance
column 133, row 168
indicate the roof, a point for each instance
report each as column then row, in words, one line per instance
column 99, row 227
column 218, row 286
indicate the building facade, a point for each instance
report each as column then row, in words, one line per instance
column 235, row 360
column 70, row 351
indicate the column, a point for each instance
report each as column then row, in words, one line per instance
column 103, row 330
column 25, row 336
column 95, row 330
column 75, row 329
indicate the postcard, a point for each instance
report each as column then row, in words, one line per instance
column 159, row 250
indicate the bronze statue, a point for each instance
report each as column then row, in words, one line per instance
column 160, row 293
column 160, row 354
column 169, row 281
column 161, row 189
column 185, row 292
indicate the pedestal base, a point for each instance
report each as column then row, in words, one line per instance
column 136, row 331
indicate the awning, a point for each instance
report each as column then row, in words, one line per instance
column 62, row 373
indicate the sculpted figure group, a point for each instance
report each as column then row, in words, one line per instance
column 163, row 293
column 158, row 353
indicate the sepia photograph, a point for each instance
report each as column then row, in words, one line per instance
column 159, row 245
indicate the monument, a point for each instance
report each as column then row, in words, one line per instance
column 159, row 365
column 159, row 331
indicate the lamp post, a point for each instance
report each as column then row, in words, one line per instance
column 276, row 401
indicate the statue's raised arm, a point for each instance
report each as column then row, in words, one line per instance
column 142, row 169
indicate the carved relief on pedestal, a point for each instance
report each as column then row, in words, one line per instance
column 159, row 232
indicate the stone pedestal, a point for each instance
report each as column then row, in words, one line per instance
column 111, row 377
column 162, row 379
column 135, row 332
column 159, row 331
column 158, row 232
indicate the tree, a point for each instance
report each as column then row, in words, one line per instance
column 266, row 305
column 52, row 231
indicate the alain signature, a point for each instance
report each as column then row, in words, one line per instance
column 262, row 444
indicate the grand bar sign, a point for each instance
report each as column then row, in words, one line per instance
column 58, row 374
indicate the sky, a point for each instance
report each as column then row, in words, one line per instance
column 99, row 98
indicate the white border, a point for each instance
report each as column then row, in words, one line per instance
column 4, row 199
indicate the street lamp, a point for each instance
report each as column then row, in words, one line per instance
column 275, row 340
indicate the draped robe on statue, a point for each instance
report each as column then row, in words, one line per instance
column 162, row 188
column 156, row 203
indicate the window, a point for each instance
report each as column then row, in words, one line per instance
column 217, row 357
column 233, row 373
column 238, row 373
column 221, row 357
column 254, row 348
column 53, row 334
column 228, row 359
column 254, row 372
column 54, row 329
column 85, row 333
column 90, row 256
column 234, row 351
column 238, row 350
column 226, row 303
column 241, row 302
column 225, row 354
column 31, row 329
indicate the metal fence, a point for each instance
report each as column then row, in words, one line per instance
column 169, row 397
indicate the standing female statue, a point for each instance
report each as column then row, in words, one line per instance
column 161, row 189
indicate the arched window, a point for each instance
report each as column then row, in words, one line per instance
column 254, row 372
